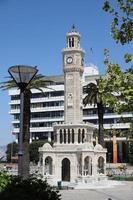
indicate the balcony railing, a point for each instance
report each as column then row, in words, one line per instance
column 50, row 108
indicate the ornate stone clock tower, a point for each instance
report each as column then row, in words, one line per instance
column 73, row 157
column 73, row 61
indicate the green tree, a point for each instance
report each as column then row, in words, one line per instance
column 5, row 178
column 122, row 23
column 38, row 82
column 27, row 189
column 33, row 149
column 98, row 95
column 127, row 91
column 119, row 83
column 131, row 152
column 122, row 32
column 12, row 150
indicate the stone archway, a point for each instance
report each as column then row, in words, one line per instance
column 101, row 165
column 48, row 165
column 87, row 166
column 65, row 169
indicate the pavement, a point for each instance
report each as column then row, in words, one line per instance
column 118, row 192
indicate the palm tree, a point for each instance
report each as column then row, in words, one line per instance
column 38, row 82
column 95, row 95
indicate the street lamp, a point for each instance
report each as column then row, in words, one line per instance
column 22, row 75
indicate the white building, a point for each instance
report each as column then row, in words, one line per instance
column 48, row 108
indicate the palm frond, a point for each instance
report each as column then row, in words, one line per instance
column 6, row 85
column 40, row 81
column 91, row 91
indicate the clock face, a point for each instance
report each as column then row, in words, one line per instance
column 69, row 60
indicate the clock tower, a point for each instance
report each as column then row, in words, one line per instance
column 73, row 157
column 73, row 61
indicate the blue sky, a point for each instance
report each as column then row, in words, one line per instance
column 33, row 32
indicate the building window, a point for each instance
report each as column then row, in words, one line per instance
column 64, row 136
column 72, row 135
column 69, row 42
column 61, row 138
column 87, row 166
column 48, row 165
column 83, row 135
column 72, row 42
column 79, row 136
column 101, row 165
column 69, row 136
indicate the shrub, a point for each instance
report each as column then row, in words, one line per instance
column 32, row 188
column 131, row 152
column 122, row 167
column 5, row 178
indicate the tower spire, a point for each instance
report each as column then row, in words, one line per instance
column 73, row 28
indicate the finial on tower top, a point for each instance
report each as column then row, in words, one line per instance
column 73, row 33
column 73, row 28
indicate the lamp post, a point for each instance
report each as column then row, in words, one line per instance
column 22, row 75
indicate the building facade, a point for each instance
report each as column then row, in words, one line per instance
column 48, row 108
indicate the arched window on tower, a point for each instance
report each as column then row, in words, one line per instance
column 72, row 42
column 69, row 136
column 101, row 165
column 78, row 42
column 48, row 165
column 72, row 135
column 64, row 136
column 87, row 166
column 79, row 136
column 69, row 42
column 83, row 136
column 61, row 138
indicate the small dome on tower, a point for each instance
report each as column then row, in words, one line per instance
column 98, row 147
column 47, row 146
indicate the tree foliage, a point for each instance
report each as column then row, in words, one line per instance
column 99, row 95
column 5, row 178
column 40, row 81
column 131, row 152
column 122, row 23
column 12, row 150
column 33, row 150
column 121, row 83
column 31, row 188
